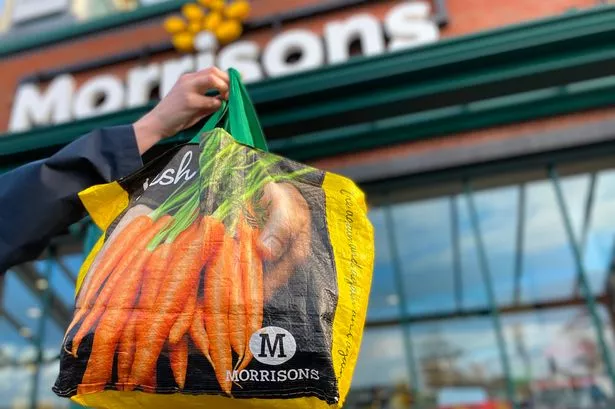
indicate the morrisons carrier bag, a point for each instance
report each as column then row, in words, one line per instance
column 226, row 277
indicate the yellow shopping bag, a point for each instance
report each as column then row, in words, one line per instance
column 226, row 276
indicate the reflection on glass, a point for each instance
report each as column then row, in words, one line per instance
column 548, row 266
column 16, row 354
column 423, row 234
column 459, row 352
column 552, row 343
column 474, row 294
column 46, row 397
column 555, row 357
column 384, row 297
column 19, row 336
column 599, row 242
column 498, row 213
column 62, row 278
column 381, row 376
column 20, row 302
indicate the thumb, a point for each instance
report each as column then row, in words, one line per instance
column 275, row 236
column 277, row 233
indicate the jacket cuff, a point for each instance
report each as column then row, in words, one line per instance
column 123, row 141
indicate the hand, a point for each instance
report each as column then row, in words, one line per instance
column 286, row 239
column 184, row 106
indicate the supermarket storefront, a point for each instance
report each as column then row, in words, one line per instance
column 486, row 148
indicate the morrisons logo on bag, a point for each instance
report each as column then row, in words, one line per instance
column 272, row 346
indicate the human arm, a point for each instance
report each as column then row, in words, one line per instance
column 39, row 200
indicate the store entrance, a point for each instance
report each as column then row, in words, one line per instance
column 491, row 289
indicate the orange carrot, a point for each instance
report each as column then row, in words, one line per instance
column 182, row 276
column 126, row 352
column 178, row 355
column 184, row 321
column 216, row 304
column 117, row 314
column 150, row 384
column 155, row 269
column 198, row 333
column 109, row 260
column 213, row 237
column 252, row 276
column 237, row 305
column 125, row 269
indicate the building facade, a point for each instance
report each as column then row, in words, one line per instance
column 482, row 131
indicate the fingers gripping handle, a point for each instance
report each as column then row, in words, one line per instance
column 239, row 116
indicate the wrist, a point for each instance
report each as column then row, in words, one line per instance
column 147, row 133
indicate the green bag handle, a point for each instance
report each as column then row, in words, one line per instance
column 239, row 115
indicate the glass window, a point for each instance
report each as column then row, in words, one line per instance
column 550, row 345
column 384, row 297
column 15, row 372
column 598, row 242
column 549, row 333
column 381, row 375
column 63, row 277
column 497, row 211
column 46, row 397
column 19, row 334
column 548, row 264
column 474, row 294
column 20, row 302
column 423, row 234
column 458, row 352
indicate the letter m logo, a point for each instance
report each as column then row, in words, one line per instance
column 268, row 350
column 272, row 345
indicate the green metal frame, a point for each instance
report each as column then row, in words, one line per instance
column 520, row 235
column 42, row 323
column 491, row 299
column 586, row 291
column 456, row 245
column 403, row 307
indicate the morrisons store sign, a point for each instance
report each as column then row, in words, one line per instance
column 404, row 25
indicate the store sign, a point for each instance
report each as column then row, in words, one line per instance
column 25, row 10
column 406, row 25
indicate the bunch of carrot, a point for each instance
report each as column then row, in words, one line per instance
column 186, row 278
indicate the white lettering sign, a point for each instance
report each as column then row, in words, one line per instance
column 33, row 107
column 340, row 34
column 406, row 25
column 305, row 45
column 99, row 95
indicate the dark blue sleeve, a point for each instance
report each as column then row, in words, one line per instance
column 39, row 200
